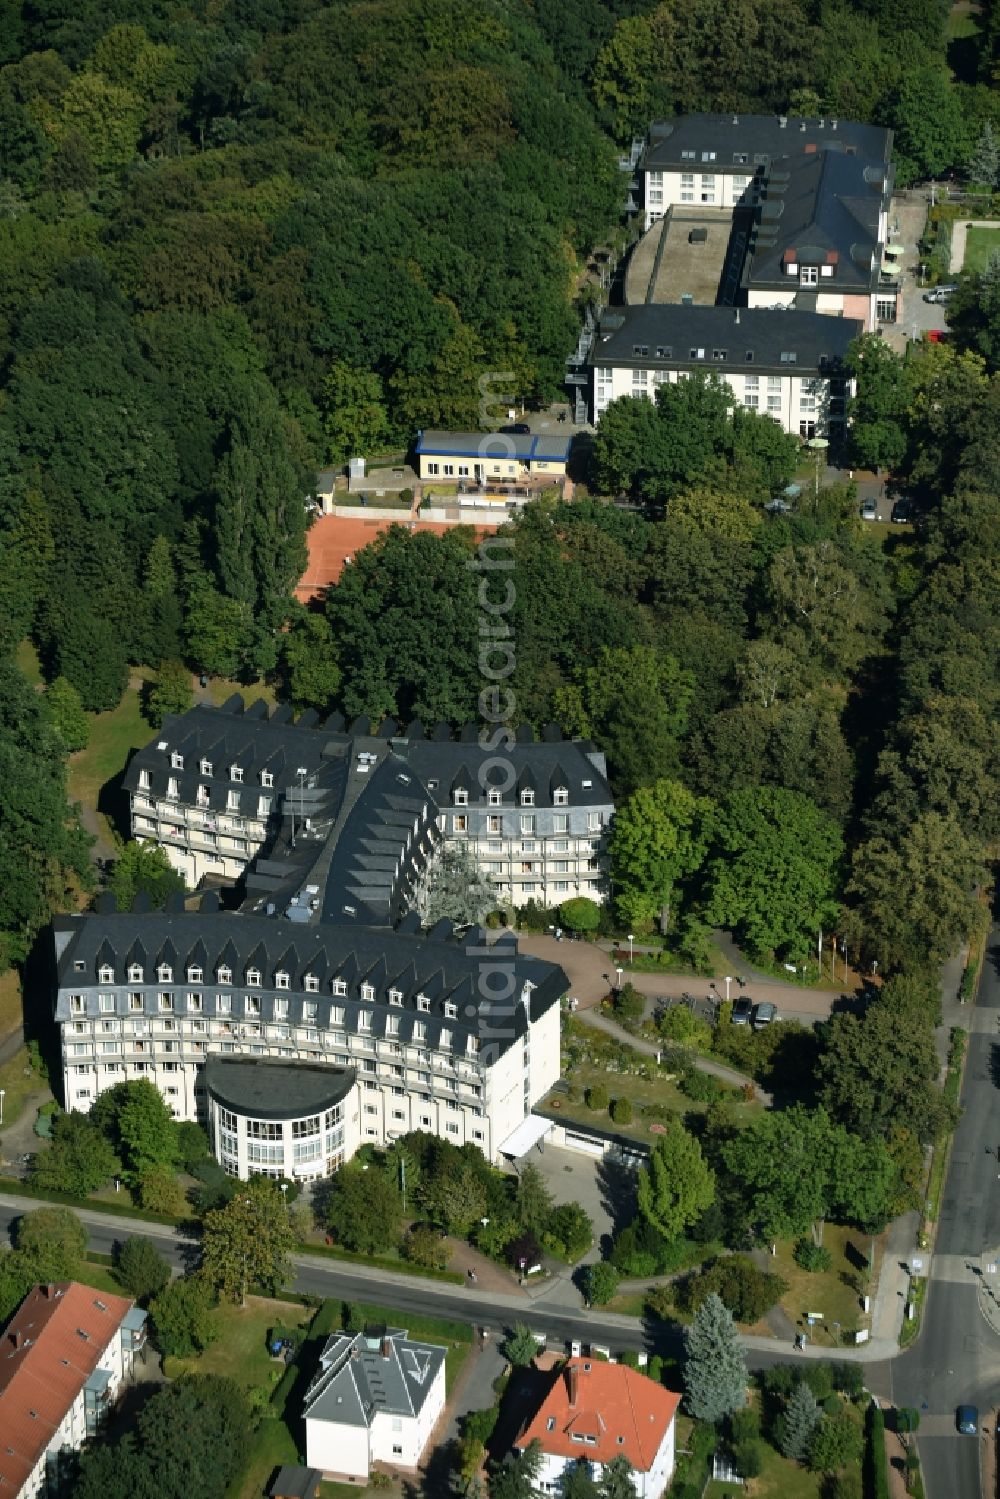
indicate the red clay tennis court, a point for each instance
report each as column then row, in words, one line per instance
column 334, row 538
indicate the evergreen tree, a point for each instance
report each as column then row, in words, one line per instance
column 518, row 1477
column 141, row 1268
column 984, row 163
column 616, row 1480
column 454, row 888
column 801, row 1418
column 715, row 1370
column 170, row 691
column 72, row 723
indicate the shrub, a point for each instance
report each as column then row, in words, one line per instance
column 629, row 1005
column 812, row 1257
column 749, row 1293
column 749, row 1455
column 601, row 1281
column 621, row 1111
column 597, row 1098
column 580, row 914
column 141, row 1268
column 680, row 1025
column 875, row 1458
column 700, row 1087
column 424, row 1246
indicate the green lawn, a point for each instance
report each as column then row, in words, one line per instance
column 10, row 1002
column 980, row 244
column 831, row 1293
column 27, row 660
column 960, row 24
column 655, row 1092
column 113, row 736
column 240, row 1350
column 19, row 1082
column 779, row 1479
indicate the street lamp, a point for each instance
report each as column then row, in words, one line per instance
column 3, row 1092
column 729, row 980
column 819, row 446
column 631, row 939
column 619, row 972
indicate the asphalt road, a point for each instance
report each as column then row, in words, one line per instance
column 957, row 1357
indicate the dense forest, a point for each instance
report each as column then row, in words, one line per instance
column 242, row 238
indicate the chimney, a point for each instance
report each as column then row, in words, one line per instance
column 573, row 1383
column 782, row 122
column 16, row 1338
column 49, row 1292
column 803, row 125
column 386, row 1347
column 736, row 315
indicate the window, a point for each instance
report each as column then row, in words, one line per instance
column 460, row 824
column 640, row 351
column 527, row 797
column 135, row 973
column 720, row 354
column 266, row 778
column 808, row 275
column 493, row 798
column 449, row 469
column 340, row 986
column 450, row 1010
column 527, row 826
column 395, row 996
column 365, row 1020
column 135, row 1002
column 144, row 782
column 433, row 468
column 560, row 797
column 789, row 356
column 311, row 983
column 494, row 824
column 740, row 159
column 594, row 821
column 165, row 974
column 774, row 403
column 224, row 1004
column 236, row 774
column 708, row 156
column 232, row 801
column 194, row 1004
column 253, row 977
column 263, row 806
column 423, row 1004
column 281, row 980
column 166, row 1002
column 195, row 974
column 224, row 975
column 461, row 797
column 309, row 1009
column 176, row 761
column 697, row 354
column 206, row 767
column 251, row 1004
column 751, row 400
column 368, row 992
column 281, row 1009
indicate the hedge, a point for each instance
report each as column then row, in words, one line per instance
column 400, row 1266
column 17, row 1188
column 876, row 1466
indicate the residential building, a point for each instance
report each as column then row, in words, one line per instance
column 64, row 1358
column 490, row 457
column 593, row 1412
column 376, row 1399
column 789, row 366
column 217, row 785
column 809, row 201
column 293, row 1044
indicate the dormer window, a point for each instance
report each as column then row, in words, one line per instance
column 266, row 778
column 281, row 980
column 106, row 974
column 423, row 1004
column 172, row 791
column 224, row 974
column 311, row 983
column 527, row 798
column 367, row 992
column 232, row 801
column 450, row 1010
column 493, row 799
column 253, row 977
column 176, row 761
column 144, row 781
column 206, row 767
column 789, row 357
column 340, row 986
column 395, row 996
column 236, row 773
column 165, row 974
column 461, row 797
column 135, row 975
column 196, row 974
column 560, row 797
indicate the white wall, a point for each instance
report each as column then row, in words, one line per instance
column 648, row 1485
column 414, row 1431
column 703, row 184
column 785, row 389
column 337, row 1448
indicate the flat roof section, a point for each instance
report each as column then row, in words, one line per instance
column 268, row 1088
column 689, row 264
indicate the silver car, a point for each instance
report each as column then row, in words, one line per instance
column 869, row 510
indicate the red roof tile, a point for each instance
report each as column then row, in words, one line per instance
column 48, row 1351
column 611, row 1410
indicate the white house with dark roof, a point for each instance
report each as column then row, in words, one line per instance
column 375, row 1400
column 809, row 200
column 787, row 365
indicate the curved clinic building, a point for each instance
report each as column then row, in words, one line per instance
column 280, row 1118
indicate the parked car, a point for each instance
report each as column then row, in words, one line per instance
column 869, row 510
column 967, row 1420
column 742, row 1010
column 902, row 512
column 940, row 293
column 764, row 1014
column 778, row 506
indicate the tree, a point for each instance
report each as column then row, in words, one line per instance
column 169, row 691
column 616, row 1480
column 772, row 873
column 748, row 1292
column 517, row 1478
column 312, row 675
column 182, row 1316
column 53, row 1242
column 800, row 1420
column 356, row 422
column 597, row 1097
column 877, row 413
column 248, row 1242
column 364, row 1211
column 521, row 1346
column 79, row 1160
column 658, row 839
column 66, row 707
column 145, row 867
column 580, row 914
column 454, row 888
column 136, row 1119
column 715, row 1371
column 601, row 1282
column 220, row 632
column 781, row 1162
column 215, row 1418
column 160, row 1191
column 424, row 1246
column 621, row 1110
column 836, row 1444
column 141, row 1268
column 677, row 1185
column 578, row 1482
column 533, row 1202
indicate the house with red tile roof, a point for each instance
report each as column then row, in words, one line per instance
column 64, row 1357
column 593, row 1412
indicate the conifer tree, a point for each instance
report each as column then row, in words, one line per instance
column 715, row 1370
column 800, row 1421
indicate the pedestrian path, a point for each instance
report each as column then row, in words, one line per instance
column 727, row 1075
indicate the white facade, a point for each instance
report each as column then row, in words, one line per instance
column 704, row 185
column 532, row 853
column 650, row 1484
column 802, row 402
